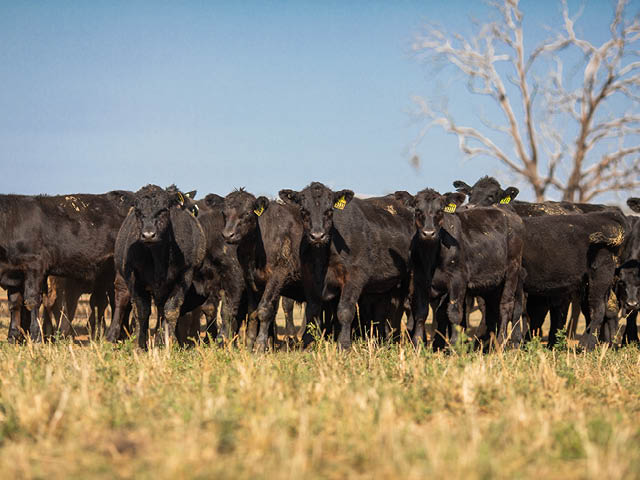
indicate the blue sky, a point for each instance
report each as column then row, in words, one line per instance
column 215, row 95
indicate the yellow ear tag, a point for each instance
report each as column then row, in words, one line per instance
column 341, row 203
column 505, row 200
column 450, row 208
column 180, row 199
column 259, row 211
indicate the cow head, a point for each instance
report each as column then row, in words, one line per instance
column 430, row 208
column 628, row 286
column 634, row 204
column 317, row 204
column 240, row 212
column 486, row 191
column 151, row 208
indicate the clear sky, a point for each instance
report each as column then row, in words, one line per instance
column 215, row 95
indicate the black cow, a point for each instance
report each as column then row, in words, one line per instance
column 628, row 285
column 159, row 247
column 69, row 236
column 220, row 271
column 568, row 254
column 476, row 251
column 350, row 247
column 267, row 236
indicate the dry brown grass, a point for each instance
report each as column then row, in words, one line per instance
column 378, row 411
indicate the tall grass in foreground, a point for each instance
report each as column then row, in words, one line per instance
column 68, row 411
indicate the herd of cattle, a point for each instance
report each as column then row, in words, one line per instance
column 360, row 265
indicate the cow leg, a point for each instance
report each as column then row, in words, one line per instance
column 71, row 297
column 287, row 308
column 441, row 325
column 142, row 311
column 188, row 328
column 98, row 302
column 313, row 319
column 266, row 315
column 230, row 310
column 519, row 321
column 253, row 322
column 346, row 313
column 119, row 328
column 267, row 308
column 537, row 308
column 507, row 306
column 210, row 310
column 51, row 309
column 33, row 286
column 631, row 329
column 455, row 309
column 420, row 310
column 171, row 310
column 575, row 317
column 18, row 327
column 558, row 317
column 601, row 275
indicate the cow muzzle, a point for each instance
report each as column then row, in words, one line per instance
column 428, row 234
column 318, row 238
column 231, row 237
column 149, row 236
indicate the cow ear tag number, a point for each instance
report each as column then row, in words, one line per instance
column 259, row 211
column 341, row 203
column 505, row 200
column 180, row 199
column 450, row 208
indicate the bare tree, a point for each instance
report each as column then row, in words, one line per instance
column 580, row 141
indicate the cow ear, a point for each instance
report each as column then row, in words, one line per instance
column 404, row 197
column 341, row 198
column 508, row 195
column 177, row 198
column 213, row 199
column 289, row 196
column 461, row 186
column 260, row 205
column 191, row 194
column 457, row 198
column 188, row 235
column 634, row 204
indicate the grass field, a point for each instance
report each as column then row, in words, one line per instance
column 74, row 411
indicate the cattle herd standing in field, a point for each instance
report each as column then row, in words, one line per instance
column 360, row 265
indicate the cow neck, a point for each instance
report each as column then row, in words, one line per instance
column 160, row 255
column 319, row 256
column 251, row 254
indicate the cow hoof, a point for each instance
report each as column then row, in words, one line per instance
column 15, row 337
column 588, row 341
column 260, row 347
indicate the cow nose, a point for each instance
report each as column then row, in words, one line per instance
column 148, row 235
column 632, row 303
column 317, row 236
column 428, row 233
column 228, row 236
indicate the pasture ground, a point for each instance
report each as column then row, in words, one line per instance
column 103, row 411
